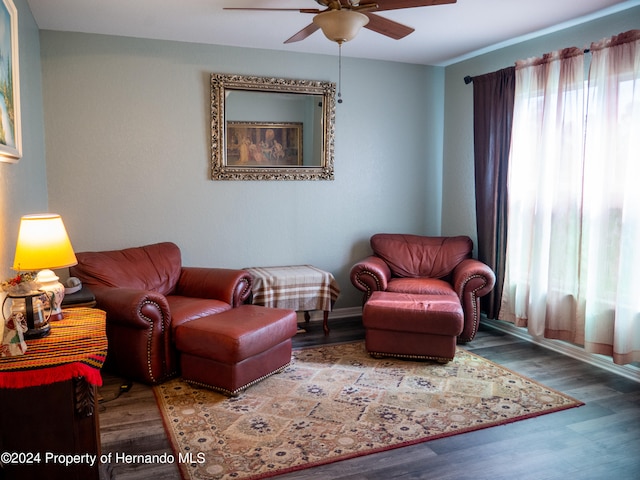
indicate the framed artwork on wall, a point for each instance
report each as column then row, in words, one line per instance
column 10, row 126
column 264, row 144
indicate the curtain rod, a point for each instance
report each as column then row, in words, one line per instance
column 468, row 79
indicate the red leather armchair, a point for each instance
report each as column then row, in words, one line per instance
column 426, row 265
column 147, row 293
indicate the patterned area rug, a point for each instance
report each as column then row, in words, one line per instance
column 335, row 402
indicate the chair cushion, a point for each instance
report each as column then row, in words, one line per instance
column 185, row 309
column 418, row 256
column 420, row 314
column 421, row 286
column 152, row 267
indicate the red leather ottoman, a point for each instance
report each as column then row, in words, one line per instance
column 412, row 326
column 233, row 350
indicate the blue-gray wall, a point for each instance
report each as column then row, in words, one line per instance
column 128, row 152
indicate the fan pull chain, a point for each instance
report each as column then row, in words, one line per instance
column 339, row 72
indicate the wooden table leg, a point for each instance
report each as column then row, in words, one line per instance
column 325, row 322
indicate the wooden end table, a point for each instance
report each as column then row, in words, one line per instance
column 49, row 400
column 298, row 287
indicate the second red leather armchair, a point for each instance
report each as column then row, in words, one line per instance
column 426, row 265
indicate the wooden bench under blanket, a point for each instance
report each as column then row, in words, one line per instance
column 232, row 350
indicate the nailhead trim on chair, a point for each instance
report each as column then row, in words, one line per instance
column 237, row 391
column 474, row 302
column 410, row 357
column 368, row 292
column 149, row 338
column 246, row 288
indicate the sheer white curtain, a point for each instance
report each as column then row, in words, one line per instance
column 545, row 187
column 611, row 233
column 573, row 244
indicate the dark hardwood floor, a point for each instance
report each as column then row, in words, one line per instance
column 596, row 441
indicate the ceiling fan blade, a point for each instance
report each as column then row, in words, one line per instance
column 300, row 10
column 367, row 7
column 302, row 34
column 387, row 27
column 398, row 4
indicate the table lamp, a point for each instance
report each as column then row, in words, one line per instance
column 43, row 244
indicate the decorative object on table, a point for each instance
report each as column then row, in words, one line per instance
column 21, row 284
column 29, row 308
column 43, row 244
column 336, row 402
column 27, row 317
column 72, row 285
column 13, row 336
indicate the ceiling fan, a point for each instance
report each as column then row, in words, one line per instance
column 341, row 20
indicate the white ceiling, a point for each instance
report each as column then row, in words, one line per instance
column 444, row 34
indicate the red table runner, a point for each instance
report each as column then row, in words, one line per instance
column 76, row 347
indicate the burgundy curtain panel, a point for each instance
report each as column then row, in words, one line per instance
column 493, row 97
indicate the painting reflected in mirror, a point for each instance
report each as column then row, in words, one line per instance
column 264, row 144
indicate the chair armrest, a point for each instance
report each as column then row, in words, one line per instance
column 133, row 308
column 472, row 275
column 139, row 333
column 369, row 275
column 471, row 280
column 227, row 285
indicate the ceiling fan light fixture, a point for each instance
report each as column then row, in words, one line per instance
column 340, row 25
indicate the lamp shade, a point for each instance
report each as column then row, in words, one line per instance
column 43, row 243
column 340, row 25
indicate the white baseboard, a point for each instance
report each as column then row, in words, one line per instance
column 601, row 361
column 628, row 371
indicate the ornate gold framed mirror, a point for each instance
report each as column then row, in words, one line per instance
column 266, row 128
